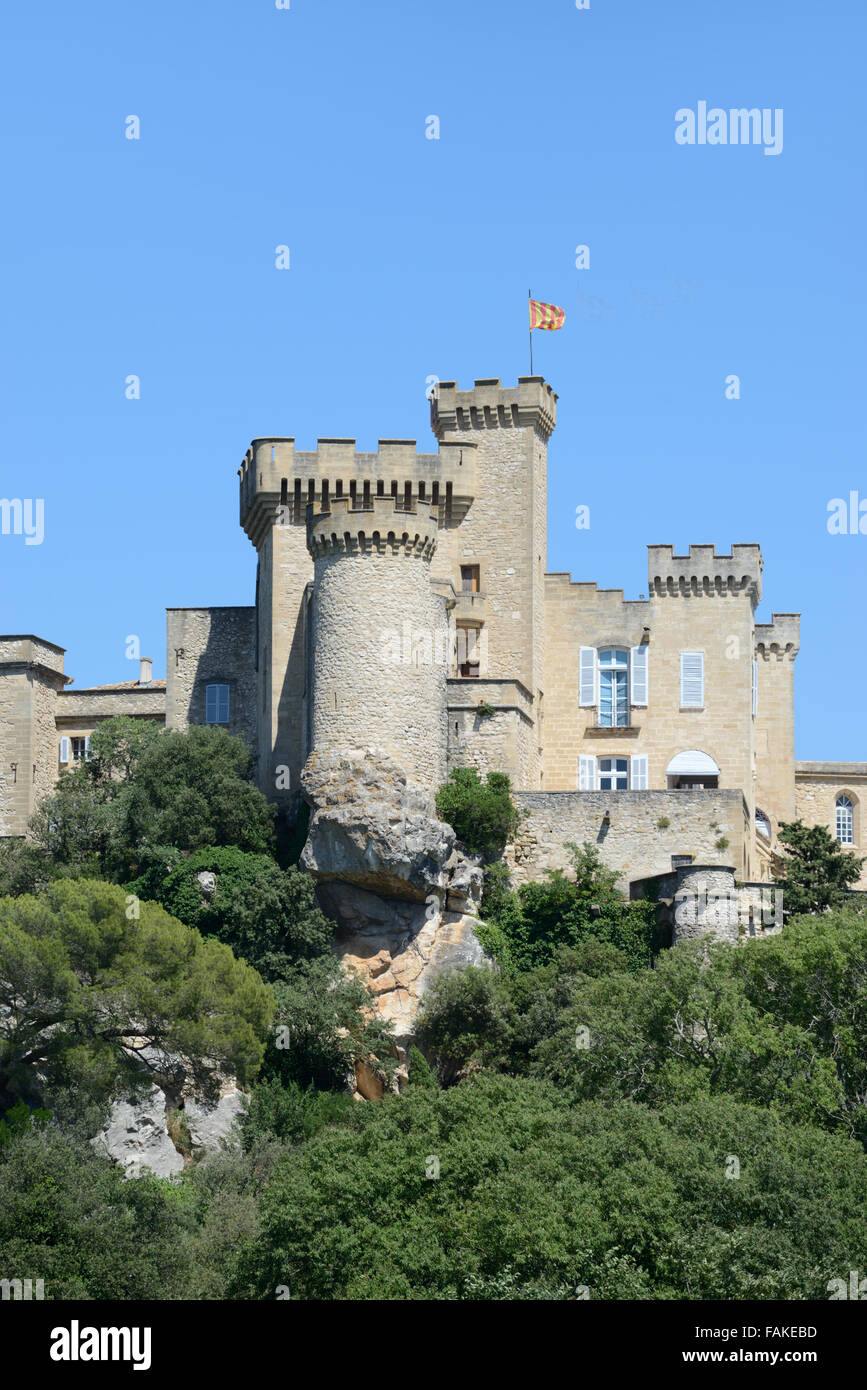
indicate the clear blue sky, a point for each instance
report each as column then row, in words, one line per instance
column 411, row 257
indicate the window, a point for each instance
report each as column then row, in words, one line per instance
column 845, row 821
column 692, row 680
column 469, row 579
column 763, row 824
column 216, row 704
column 613, row 774
column 468, row 644
column 80, row 749
column 613, row 688
column 612, row 679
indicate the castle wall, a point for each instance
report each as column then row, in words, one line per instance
column 636, row 843
column 211, row 645
column 817, row 786
column 372, row 685
column 699, row 603
column 497, row 742
column 777, row 645
column 31, row 673
column 505, row 532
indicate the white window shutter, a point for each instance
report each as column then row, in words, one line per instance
column 587, row 677
column 638, row 772
column 64, row 750
column 87, row 746
column 692, row 679
column 586, row 773
column 638, row 675
column 755, row 688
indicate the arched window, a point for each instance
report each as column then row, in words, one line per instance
column 845, row 820
column 763, row 824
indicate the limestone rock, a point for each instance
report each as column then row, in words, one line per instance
column 373, row 827
column 389, row 874
column 398, row 948
column 136, row 1136
column 212, row 1125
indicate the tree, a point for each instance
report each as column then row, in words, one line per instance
column 816, row 871
column 325, row 1024
column 531, row 924
column 147, row 793
column 464, row 1020
column 199, row 792
column 531, row 1198
column 117, row 746
column 98, row 992
column 266, row 914
column 482, row 814
column 71, row 1218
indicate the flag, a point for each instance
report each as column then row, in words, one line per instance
column 545, row 315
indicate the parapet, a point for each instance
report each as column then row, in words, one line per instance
column 378, row 527
column 532, row 404
column 702, row 571
column 274, row 475
column 780, row 638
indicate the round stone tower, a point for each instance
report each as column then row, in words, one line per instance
column 378, row 644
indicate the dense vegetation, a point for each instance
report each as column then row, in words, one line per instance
column 594, row 1117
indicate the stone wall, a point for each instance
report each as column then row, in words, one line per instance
column 31, row 673
column 817, row 786
column 633, row 843
column 370, row 686
column 211, row 645
column 502, row 742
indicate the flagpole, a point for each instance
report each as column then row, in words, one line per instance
column 529, row 297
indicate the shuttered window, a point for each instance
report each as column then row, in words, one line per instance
column 692, row 679
column 586, row 773
column 216, row 704
column 64, row 750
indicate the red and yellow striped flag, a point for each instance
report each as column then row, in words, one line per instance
column 545, row 315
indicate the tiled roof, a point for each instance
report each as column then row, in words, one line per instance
column 121, row 685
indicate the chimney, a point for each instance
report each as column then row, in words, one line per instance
column 146, row 672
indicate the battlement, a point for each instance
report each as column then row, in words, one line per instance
column 278, row 482
column 532, row 404
column 779, row 638
column 702, row 571
column 377, row 527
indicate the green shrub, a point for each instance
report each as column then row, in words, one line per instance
column 482, row 813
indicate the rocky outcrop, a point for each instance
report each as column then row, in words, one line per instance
column 142, row 1134
column 373, row 827
column 398, row 948
column 403, row 896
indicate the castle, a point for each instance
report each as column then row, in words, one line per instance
column 403, row 602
